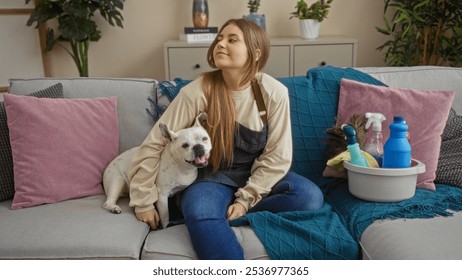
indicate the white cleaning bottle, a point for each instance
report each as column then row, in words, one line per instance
column 374, row 140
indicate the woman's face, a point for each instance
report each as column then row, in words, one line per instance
column 230, row 51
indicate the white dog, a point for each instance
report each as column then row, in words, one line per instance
column 185, row 151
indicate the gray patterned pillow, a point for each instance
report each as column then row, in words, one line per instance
column 6, row 159
column 166, row 91
column 449, row 171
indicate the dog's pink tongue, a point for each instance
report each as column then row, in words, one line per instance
column 200, row 160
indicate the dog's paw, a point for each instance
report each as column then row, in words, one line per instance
column 116, row 210
column 112, row 208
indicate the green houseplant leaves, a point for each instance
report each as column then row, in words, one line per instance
column 75, row 24
column 253, row 5
column 318, row 10
column 424, row 32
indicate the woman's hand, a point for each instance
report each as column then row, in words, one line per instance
column 150, row 217
column 235, row 211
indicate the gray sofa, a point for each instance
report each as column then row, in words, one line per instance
column 81, row 229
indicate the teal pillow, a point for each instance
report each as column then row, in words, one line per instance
column 313, row 104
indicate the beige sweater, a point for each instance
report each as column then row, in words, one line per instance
column 267, row 169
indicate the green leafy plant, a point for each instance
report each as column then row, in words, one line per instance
column 75, row 24
column 425, row 32
column 318, row 10
column 253, row 5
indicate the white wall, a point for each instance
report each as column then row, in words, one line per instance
column 137, row 49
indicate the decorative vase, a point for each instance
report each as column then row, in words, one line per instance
column 200, row 13
column 259, row 19
column 309, row 28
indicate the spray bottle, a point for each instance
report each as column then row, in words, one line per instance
column 374, row 140
column 353, row 146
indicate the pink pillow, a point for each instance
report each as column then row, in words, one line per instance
column 425, row 111
column 60, row 147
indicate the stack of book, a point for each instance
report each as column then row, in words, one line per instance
column 204, row 34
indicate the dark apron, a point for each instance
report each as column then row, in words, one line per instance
column 248, row 145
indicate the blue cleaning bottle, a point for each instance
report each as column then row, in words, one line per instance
column 357, row 157
column 397, row 150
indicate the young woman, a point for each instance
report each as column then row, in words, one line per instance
column 250, row 130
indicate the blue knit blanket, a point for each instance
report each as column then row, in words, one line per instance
column 301, row 235
column 333, row 231
column 357, row 214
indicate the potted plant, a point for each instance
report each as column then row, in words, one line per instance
column 423, row 33
column 311, row 16
column 75, row 24
column 253, row 15
column 253, row 5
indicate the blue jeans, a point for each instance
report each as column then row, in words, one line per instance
column 204, row 206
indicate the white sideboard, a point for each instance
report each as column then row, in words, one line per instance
column 290, row 56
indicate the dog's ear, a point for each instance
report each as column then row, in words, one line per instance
column 201, row 119
column 168, row 135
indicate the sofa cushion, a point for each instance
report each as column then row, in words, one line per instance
column 132, row 100
column 72, row 229
column 313, row 105
column 414, row 239
column 60, row 147
column 175, row 243
column 6, row 160
column 426, row 121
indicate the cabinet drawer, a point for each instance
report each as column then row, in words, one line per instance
column 289, row 56
column 186, row 63
column 189, row 63
column 308, row 56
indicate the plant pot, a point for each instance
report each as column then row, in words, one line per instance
column 309, row 28
column 259, row 19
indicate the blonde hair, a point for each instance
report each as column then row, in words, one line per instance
column 221, row 115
